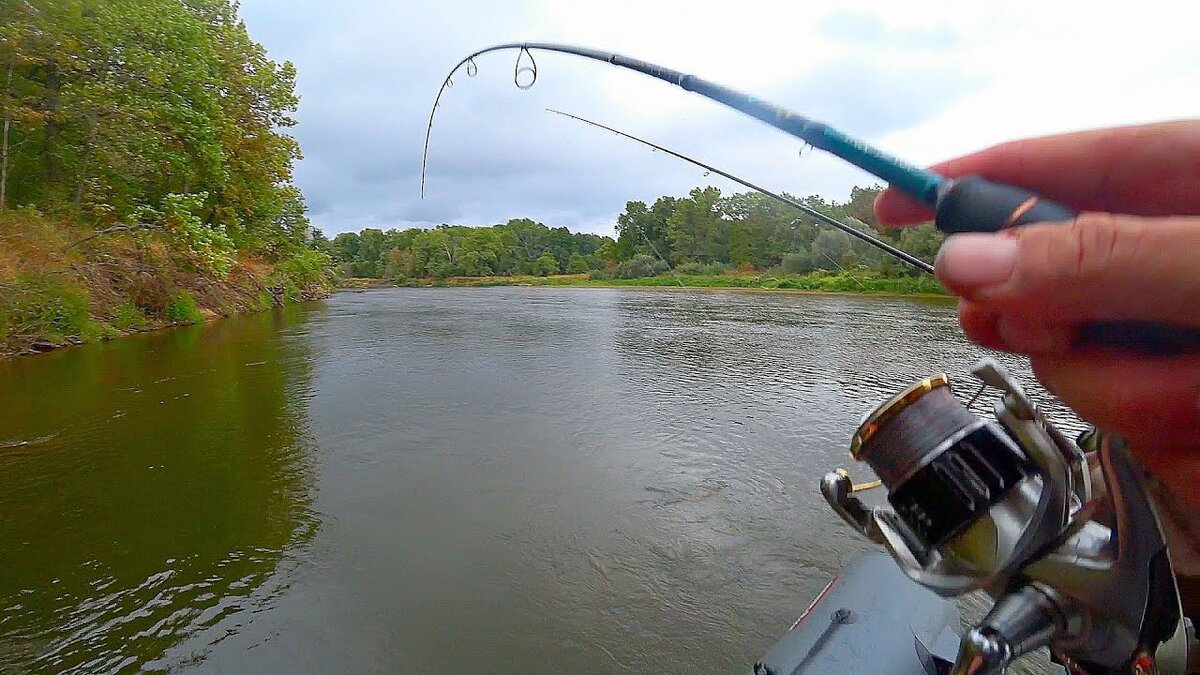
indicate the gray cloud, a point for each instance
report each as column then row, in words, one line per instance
column 870, row 29
column 872, row 98
column 367, row 76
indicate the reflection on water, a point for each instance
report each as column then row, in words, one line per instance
column 423, row 480
column 149, row 488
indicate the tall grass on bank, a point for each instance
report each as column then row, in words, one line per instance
column 60, row 284
column 841, row 282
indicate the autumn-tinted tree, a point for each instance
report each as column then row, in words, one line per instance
column 121, row 111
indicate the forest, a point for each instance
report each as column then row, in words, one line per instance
column 702, row 233
column 146, row 180
column 145, row 170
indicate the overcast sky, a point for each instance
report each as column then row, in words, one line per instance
column 922, row 80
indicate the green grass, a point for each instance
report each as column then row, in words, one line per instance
column 96, row 331
column 816, row 282
column 129, row 316
column 183, row 309
column 41, row 306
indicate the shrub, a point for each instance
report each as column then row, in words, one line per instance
column 183, row 309
column 640, row 266
column 304, row 272
column 700, row 269
column 98, row 330
column 799, row 262
column 39, row 306
column 128, row 316
column 546, row 265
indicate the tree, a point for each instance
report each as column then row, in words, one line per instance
column 760, row 229
column 399, row 264
column 17, row 105
column 110, row 107
column 797, row 262
column 743, row 229
column 830, row 250
column 578, row 264
column 346, row 246
column 862, row 204
column 546, row 265
column 696, row 229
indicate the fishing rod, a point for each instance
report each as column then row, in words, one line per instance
column 874, row 241
column 1003, row 505
column 959, row 203
column 964, row 204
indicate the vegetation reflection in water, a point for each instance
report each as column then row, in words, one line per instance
column 149, row 488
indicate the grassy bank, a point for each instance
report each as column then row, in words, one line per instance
column 60, row 285
column 817, row 282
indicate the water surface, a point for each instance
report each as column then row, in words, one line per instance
column 433, row 480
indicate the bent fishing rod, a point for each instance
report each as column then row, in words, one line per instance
column 965, row 204
column 873, row 241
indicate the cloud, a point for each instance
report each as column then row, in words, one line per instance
column 916, row 86
column 868, row 28
column 874, row 98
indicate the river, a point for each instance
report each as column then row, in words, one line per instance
column 444, row 480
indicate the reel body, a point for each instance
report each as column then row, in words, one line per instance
column 1008, row 506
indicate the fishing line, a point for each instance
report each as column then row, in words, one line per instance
column 803, row 208
column 963, row 204
column 919, row 183
column 839, row 267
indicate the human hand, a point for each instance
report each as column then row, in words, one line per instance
column 1028, row 290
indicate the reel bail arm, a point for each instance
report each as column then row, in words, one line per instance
column 1007, row 506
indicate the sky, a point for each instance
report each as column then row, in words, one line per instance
column 920, row 79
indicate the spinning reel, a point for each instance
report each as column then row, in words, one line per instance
column 1075, row 561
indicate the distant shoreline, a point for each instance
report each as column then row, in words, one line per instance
column 908, row 287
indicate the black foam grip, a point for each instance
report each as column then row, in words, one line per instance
column 972, row 204
column 1157, row 339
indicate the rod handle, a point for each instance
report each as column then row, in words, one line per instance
column 973, row 204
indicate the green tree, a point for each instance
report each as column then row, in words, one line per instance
column 399, row 264
column 797, row 262
column 578, row 264
column 830, row 250
column 546, row 265
column 862, row 204
column 696, row 229
column 645, row 230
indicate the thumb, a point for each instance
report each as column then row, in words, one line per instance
column 1097, row 267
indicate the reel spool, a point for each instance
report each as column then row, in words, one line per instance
column 1006, row 506
column 943, row 466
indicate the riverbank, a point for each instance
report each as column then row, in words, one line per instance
column 817, row 283
column 62, row 285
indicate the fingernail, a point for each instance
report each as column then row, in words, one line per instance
column 976, row 259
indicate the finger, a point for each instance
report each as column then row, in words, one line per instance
column 1100, row 267
column 981, row 326
column 894, row 208
column 1177, row 466
column 1148, row 170
column 1036, row 337
column 993, row 330
column 1155, row 403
